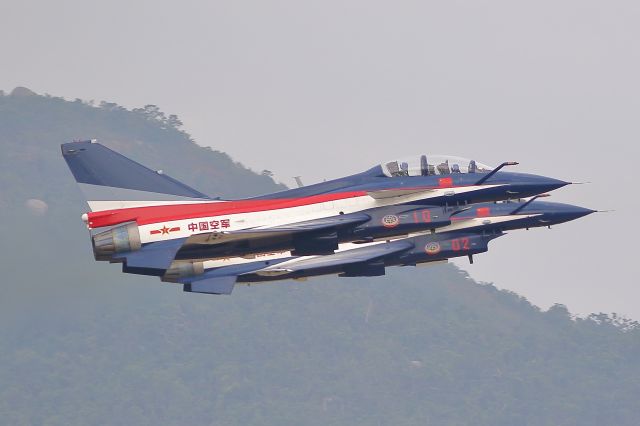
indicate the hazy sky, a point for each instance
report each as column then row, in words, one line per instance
column 327, row 88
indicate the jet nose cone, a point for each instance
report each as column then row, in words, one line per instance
column 576, row 212
column 550, row 183
column 526, row 185
column 566, row 212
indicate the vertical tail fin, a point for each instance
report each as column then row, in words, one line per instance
column 112, row 181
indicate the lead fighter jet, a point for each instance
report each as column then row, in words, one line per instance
column 469, row 233
column 151, row 220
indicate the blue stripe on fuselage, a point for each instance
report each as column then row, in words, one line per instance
column 513, row 185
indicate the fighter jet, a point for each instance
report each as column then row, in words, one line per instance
column 469, row 235
column 152, row 219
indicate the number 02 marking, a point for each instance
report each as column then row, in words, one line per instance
column 460, row 244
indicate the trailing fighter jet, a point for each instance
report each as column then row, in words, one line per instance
column 470, row 234
column 152, row 219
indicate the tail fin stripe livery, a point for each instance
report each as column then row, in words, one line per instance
column 105, row 175
column 167, row 212
column 102, row 198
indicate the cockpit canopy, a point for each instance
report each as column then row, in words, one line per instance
column 428, row 165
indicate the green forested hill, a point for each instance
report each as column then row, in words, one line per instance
column 81, row 343
column 33, row 127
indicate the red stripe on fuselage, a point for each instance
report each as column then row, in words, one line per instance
column 166, row 213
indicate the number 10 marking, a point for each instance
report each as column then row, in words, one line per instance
column 426, row 216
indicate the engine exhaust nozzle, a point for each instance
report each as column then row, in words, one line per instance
column 120, row 239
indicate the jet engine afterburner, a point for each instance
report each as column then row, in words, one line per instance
column 180, row 270
column 121, row 239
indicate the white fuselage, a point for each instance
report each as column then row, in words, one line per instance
column 181, row 228
column 458, row 226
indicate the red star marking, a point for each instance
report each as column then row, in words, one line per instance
column 164, row 230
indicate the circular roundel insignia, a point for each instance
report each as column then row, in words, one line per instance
column 432, row 248
column 390, row 221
